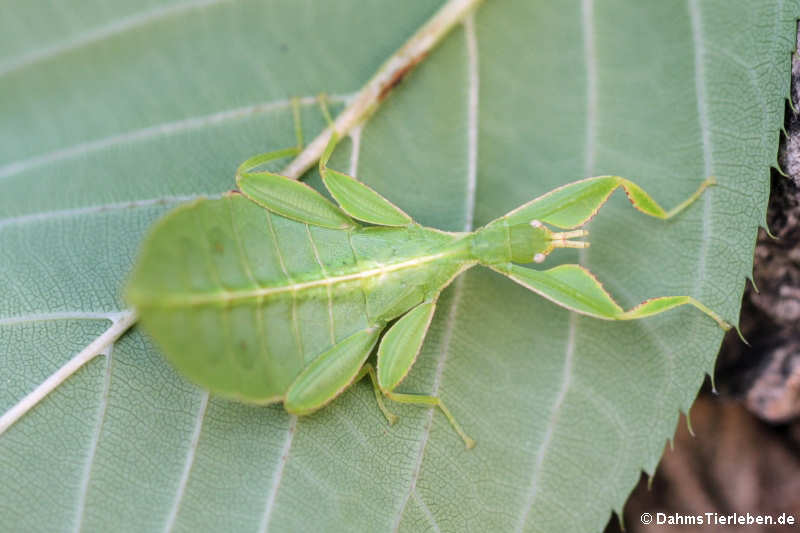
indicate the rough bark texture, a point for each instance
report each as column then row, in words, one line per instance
column 745, row 454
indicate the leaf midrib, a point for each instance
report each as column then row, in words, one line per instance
column 471, row 43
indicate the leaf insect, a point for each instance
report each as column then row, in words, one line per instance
column 280, row 295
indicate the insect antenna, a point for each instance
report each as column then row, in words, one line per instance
column 561, row 240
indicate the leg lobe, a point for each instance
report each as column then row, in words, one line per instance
column 327, row 376
column 572, row 205
column 287, row 197
column 401, row 345
column 356, row 199
column 575, row 288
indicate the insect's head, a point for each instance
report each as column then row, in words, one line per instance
column 554, row 240
column 521, row 242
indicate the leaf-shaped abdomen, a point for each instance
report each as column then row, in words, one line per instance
column 238, row 299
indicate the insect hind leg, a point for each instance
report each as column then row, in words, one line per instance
column 398, row 352
column 434, row 401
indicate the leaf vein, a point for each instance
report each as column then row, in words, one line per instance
column 118, row 327
column 278, row 475
column 590, row 60
column 295, row 325
column 101, row 418
column 155, row 131
column 188, row 464
column 102, row 208
column 100, row 34
column 64, row 315
column 472, row 110
column 547, row 439
column 331, row 323
column 705, row 129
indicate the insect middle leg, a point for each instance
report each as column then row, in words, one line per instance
column 573, row 287
column 434, row 401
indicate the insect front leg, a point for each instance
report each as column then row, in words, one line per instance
column 575, row 288
column 396, row 355
column 573, row 204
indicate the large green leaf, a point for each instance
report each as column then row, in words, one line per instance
column 112, row 112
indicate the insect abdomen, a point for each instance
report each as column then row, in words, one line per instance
column 252, row 279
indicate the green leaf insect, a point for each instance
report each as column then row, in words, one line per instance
column 279, row 295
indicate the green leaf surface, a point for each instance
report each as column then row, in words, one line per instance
column 113, row 112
